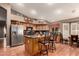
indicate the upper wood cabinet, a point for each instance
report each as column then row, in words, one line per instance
column 18, row 18
column 40, row 27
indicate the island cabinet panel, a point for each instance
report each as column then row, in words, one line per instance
column 32, row 45
column 35, row 46
column 28, row 46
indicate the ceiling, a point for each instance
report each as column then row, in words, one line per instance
column 48, row 11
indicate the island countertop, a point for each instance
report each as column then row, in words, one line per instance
column 33, row 36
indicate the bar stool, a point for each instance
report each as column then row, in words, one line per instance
column 44, row 47
column 52, row 44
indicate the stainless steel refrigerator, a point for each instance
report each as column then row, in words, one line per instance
column 16, row 35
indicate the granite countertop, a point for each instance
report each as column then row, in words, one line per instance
column 33, row 36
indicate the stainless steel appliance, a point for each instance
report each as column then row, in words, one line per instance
column 16, row 35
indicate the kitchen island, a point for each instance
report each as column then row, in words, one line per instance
column 32, row 46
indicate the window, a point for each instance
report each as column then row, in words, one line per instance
column 65, row 30
column 73, row 28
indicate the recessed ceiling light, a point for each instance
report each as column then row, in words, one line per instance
column 41, row 17
column 59, row 11
column 33, row 12
column 20, row 4
column 50, row 4
column 73, row 11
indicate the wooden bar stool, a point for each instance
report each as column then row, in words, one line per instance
column 44, row 47
column 52, row 44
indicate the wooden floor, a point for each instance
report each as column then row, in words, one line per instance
column 61, row 50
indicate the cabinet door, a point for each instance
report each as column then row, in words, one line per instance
column 35, row 46
column 28, row 46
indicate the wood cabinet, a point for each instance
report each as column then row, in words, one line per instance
column 1, row 42
column 37, row 26
column 40, row 26
column 32, row 45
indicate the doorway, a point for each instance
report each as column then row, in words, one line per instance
column 3, row 18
